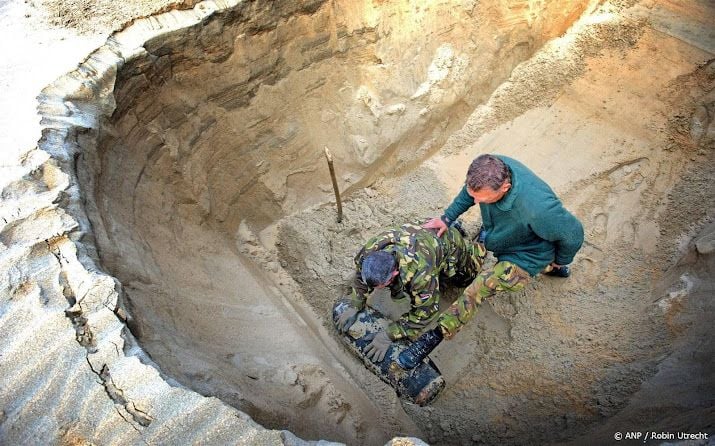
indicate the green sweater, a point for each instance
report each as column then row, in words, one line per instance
column 529, row 226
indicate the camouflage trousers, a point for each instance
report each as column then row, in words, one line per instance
column 504, row 276
column 463, row 259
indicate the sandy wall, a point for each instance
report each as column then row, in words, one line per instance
column 218, row 131
column 143, row 174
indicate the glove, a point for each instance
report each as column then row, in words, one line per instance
column 378, row 347
column 346, row 319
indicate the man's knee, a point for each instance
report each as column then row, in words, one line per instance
column 480, row 288
column 507, row 276
column 504, row 276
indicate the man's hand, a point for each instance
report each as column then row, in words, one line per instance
column 378, row 347
column 346, row 319
column 436, row 223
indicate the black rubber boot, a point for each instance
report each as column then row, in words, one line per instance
column 564, row 271
column 411, row 357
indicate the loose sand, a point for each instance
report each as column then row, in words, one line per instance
column 616, row 115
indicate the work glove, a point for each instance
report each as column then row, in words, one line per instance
column 346, row 319
column 378, row 347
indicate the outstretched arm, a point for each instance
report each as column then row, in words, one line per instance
column 461, row 203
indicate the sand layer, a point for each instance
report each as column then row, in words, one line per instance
column 186, row 197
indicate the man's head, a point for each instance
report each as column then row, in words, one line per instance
column 488, row 179
column 378, row 269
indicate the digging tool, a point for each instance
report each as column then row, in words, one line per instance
column 329, row 157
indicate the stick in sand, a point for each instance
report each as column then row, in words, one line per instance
column 335, row 183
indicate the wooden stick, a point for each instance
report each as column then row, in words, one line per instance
column 329, row 157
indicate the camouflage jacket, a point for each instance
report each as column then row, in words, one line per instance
column 422, row 257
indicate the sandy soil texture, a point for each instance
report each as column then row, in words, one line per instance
column 230, row 257
column 610, row 126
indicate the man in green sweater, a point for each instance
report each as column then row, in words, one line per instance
column 523, row 223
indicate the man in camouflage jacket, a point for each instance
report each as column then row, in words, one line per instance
column 411, row 261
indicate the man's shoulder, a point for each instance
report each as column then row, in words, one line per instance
column 419, row 257
column 535, row 195
column 419, row 274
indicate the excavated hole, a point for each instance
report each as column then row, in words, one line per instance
column 207, row 178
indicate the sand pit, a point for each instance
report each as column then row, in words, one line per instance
column 187, row 156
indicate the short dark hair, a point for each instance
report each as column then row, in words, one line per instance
column 487, row 170
column 377, row 268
